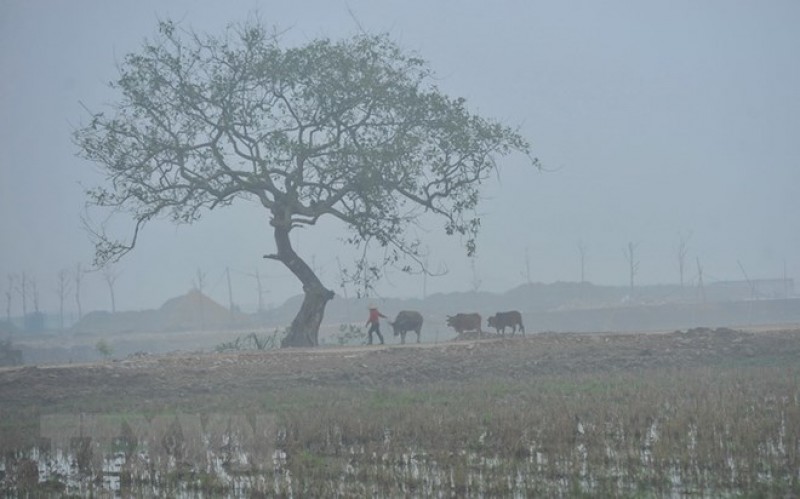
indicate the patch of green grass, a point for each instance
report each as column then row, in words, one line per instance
column 409, row 399
column 309, row 460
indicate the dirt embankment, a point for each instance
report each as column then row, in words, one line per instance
column 151, row 379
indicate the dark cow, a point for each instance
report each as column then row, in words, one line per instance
column 465, row 322
column 501, row 320
column 407, row 320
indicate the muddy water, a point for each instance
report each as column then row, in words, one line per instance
column 179, row 454
column 232, row 455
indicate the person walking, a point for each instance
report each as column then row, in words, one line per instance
column 374, row 323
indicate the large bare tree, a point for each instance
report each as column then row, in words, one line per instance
column 353, row 129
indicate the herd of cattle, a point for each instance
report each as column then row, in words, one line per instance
column 411, row 320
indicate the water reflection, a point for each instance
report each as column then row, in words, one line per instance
column 236, row 455
column 188, row 455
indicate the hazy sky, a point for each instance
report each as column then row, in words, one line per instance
column 656, row 119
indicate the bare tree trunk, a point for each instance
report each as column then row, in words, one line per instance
column 304, row 330
column 700, row 280
column 78, row 278
column 111, row 278
column 23, row 292
column 582, row 253
column 9, row 294
column 633, row 263
column 260, row 292
column 682, row 250
column 63, row 289
column 35, row 295
column 475, row 284
column 230, row 294
column 200, row 284
column 527, row 265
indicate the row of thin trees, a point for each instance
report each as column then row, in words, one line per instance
column 23, row 293
column 24, row 289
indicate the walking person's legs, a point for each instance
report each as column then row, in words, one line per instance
column 372, row 327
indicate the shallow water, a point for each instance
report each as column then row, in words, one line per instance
column 233, row 455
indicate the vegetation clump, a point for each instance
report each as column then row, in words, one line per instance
column 252, row 341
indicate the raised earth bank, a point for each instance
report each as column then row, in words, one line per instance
column 702, row 411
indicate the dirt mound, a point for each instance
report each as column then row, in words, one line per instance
column 193, row 311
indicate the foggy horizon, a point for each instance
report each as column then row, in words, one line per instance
column 652, row 123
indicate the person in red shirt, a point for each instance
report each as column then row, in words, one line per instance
column 374, row 323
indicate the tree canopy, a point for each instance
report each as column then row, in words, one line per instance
column 353, row 129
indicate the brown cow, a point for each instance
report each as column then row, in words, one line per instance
column 512, row 319
column 465, row 322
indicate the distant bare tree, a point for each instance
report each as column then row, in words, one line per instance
column 78, row 280
column 700, row 280
column 785, row 281
column 476, row 281
column 200, row 280
column 750, row 284
column 633, row 263
column 260, row 290
column 110, row 276
column 682, row 250
column 441, row 270
column 342, row 277
column 35, row 295
column 582, row 255
column 199, row 284
column 63, row 288
column 22, row 289
column 424, row 276
column 9, row 295
column 230, row 292
column 527, row 264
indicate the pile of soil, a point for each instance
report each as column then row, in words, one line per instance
column 192, row 311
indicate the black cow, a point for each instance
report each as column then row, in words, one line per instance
column 512, row 319
column 407, row 320
column 465, row 322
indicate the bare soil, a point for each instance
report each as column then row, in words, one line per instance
column 156, row 381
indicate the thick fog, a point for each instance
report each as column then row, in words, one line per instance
column 654, row 124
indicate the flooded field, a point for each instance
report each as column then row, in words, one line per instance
column 706, row 413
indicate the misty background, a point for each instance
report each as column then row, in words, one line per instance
column 654, row 123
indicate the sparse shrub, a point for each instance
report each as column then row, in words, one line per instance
column 350, row 334
column 9, row 356
column 104, row 348
column 253, row 341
